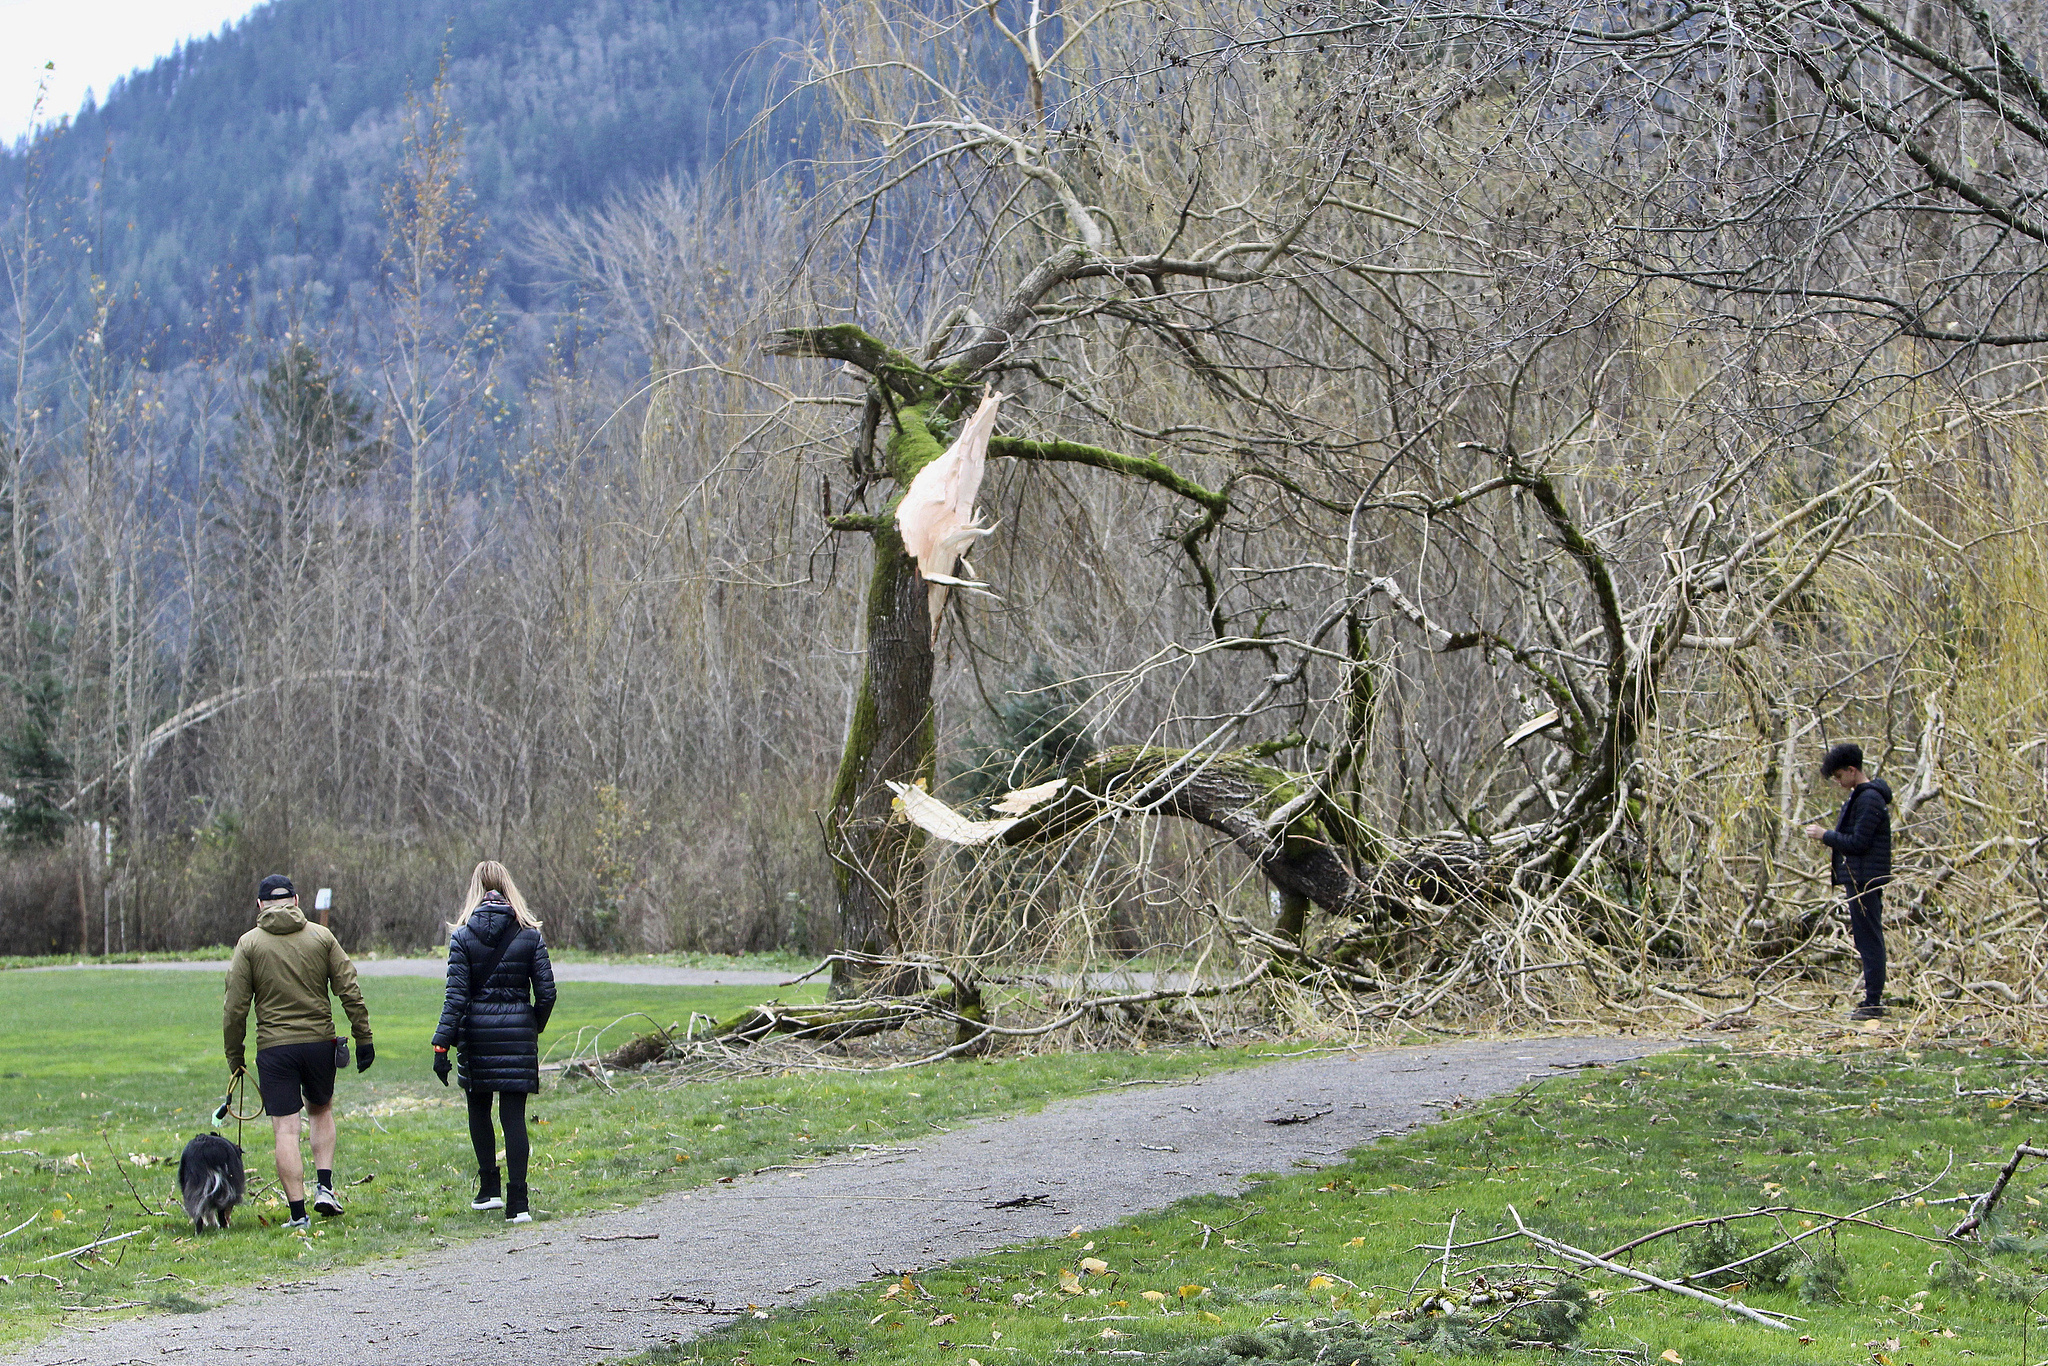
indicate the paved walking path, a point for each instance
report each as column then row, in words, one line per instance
column 576, row 1291
column 624, row 974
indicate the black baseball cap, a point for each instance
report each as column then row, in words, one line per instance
column 276, row 887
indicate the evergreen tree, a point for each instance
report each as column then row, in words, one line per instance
column 37, row 768
column 317, row 429
column 1040, row 734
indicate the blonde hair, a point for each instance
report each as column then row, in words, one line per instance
column 490, row 876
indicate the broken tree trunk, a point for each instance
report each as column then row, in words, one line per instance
column 891, row 738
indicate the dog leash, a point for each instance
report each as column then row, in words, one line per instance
column 227, row 1110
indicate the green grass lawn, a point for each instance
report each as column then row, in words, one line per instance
column 12, row 961
column 777, row 961
column 1589, row 1158
column 105, row 1074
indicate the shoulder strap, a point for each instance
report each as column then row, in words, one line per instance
column 477, row 984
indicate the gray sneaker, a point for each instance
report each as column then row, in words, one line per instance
column 324, row 1203
column 298, row 1225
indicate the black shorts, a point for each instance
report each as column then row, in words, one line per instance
column 289, row 1068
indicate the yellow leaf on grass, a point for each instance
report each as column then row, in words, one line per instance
column 1356, row 1242
column 1095, row 1266
column 1318, row 1282
column 1673, row 1357
column 1070, row 1284
column 1154, row 1296
column 1213, row 1318
column 1188, row 1292
column 1112, row 1334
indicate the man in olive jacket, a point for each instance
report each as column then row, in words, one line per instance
column 1861, row 859
column 284, row 967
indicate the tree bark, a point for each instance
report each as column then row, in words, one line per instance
column 892, row 737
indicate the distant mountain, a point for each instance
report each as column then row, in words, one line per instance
column 254, row 161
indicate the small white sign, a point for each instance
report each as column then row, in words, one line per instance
column 323, row 899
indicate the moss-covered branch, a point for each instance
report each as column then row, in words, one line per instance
column 854, row 345
column 1137, row 466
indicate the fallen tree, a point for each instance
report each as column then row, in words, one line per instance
column 1513, row 535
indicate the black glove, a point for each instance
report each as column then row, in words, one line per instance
column 540, row 1020
column 235, row 1068
column 441, row 1067
column 366, row 1053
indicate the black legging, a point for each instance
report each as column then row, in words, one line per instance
column 512, row 1106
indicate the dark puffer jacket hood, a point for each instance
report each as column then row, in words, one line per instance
column 1861, row 841
column 495, row 1025
column 489, row 922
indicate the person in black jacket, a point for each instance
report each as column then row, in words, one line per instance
column 1861, row 858
column 501, row 990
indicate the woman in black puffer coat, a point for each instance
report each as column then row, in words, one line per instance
column 501, row 990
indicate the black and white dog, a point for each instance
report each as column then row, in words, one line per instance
column 211, row 1181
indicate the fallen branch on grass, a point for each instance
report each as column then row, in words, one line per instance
column 958, row 1003
column 78, row 1251
column 1581, row 1257
column 1833, row 1221
column 1981, row 1208
column 129, row 1181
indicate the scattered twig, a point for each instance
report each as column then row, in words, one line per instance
column 1985, row 1203
column 1019, row 1202
column 1581, row 1257
column 77, row 1251
column 126, row 1179
column 1300, row 1117
column 618, row 1237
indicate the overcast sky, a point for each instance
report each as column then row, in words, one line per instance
column 92, row 42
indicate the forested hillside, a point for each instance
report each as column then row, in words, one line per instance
column 249, row 168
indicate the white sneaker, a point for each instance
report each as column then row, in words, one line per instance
column 520, row 1218
column 298, row 1225
column 324, row 1202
